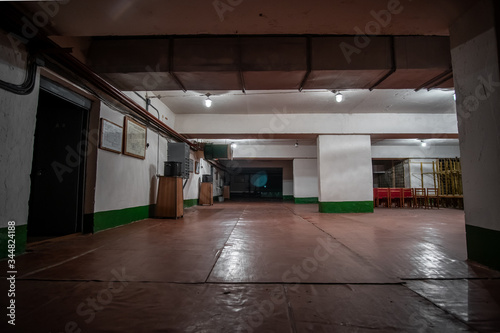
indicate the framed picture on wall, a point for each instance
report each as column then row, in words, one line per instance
column 134, row 138
column 197, row 167
column 111, row 136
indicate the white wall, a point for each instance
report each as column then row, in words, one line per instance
column 305, row 178
column 345, row 168
column 124, row 181
column 192, row 188
column 17, row 128
column 288, row 187
column 372, row 123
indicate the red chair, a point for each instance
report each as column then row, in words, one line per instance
column 396, row 196
column 383, row 195
column 407, row 197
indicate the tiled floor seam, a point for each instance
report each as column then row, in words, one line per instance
column 365, row 260
column 60, row 263
column 225, row 243
column 290, row 314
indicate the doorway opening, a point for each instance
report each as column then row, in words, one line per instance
column 257, row 184
column 58, row 167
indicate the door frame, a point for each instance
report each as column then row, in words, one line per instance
column 76, row 95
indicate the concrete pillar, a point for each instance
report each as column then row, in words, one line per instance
column 474, row 49
column 345, row 174
column 305, row 180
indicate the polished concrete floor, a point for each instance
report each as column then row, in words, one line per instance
column 260, row 267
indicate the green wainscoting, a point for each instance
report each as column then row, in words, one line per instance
column 19, row 237
column 346, row 207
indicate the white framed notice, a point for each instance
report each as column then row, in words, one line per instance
column 134, row 138
column 111, row 136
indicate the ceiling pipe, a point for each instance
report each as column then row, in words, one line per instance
column 445, row 74
column 309, row 63
column 393, row 66
column 84, row 72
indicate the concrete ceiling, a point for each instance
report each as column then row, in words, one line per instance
column 80, row 25
column 84, row 18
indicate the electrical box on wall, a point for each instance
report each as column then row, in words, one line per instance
column 179, row 152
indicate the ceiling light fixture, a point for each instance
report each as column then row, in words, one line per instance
column 297, row 144
column 234, row 145
column 339, row 97
column 423, row 143
column 208, row 101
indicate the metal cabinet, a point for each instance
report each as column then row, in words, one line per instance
column 179, row 152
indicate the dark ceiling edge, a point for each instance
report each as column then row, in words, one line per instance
column 128, row 37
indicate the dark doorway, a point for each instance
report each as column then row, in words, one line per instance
column 58, row 172
column 257, row 183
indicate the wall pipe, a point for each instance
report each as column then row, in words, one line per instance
column 83, row 71
column 28, row 85
column 148, row 104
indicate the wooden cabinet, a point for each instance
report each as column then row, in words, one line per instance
column 170, row 202
column 227, row 192
column 206, row 194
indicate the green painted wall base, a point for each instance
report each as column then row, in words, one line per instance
column 346, row 207
column 19, row 237
column 288, row 198
column 483, row 246
column 115, row 218
column 190, row 203
column 306, row 200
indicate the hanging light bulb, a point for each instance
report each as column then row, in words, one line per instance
column 234, row 145
column 339, row 97
column 208, row 101
column 423, row 143
column 297, row 144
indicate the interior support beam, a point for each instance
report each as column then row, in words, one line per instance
column 309, row 64
column 393, row 65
